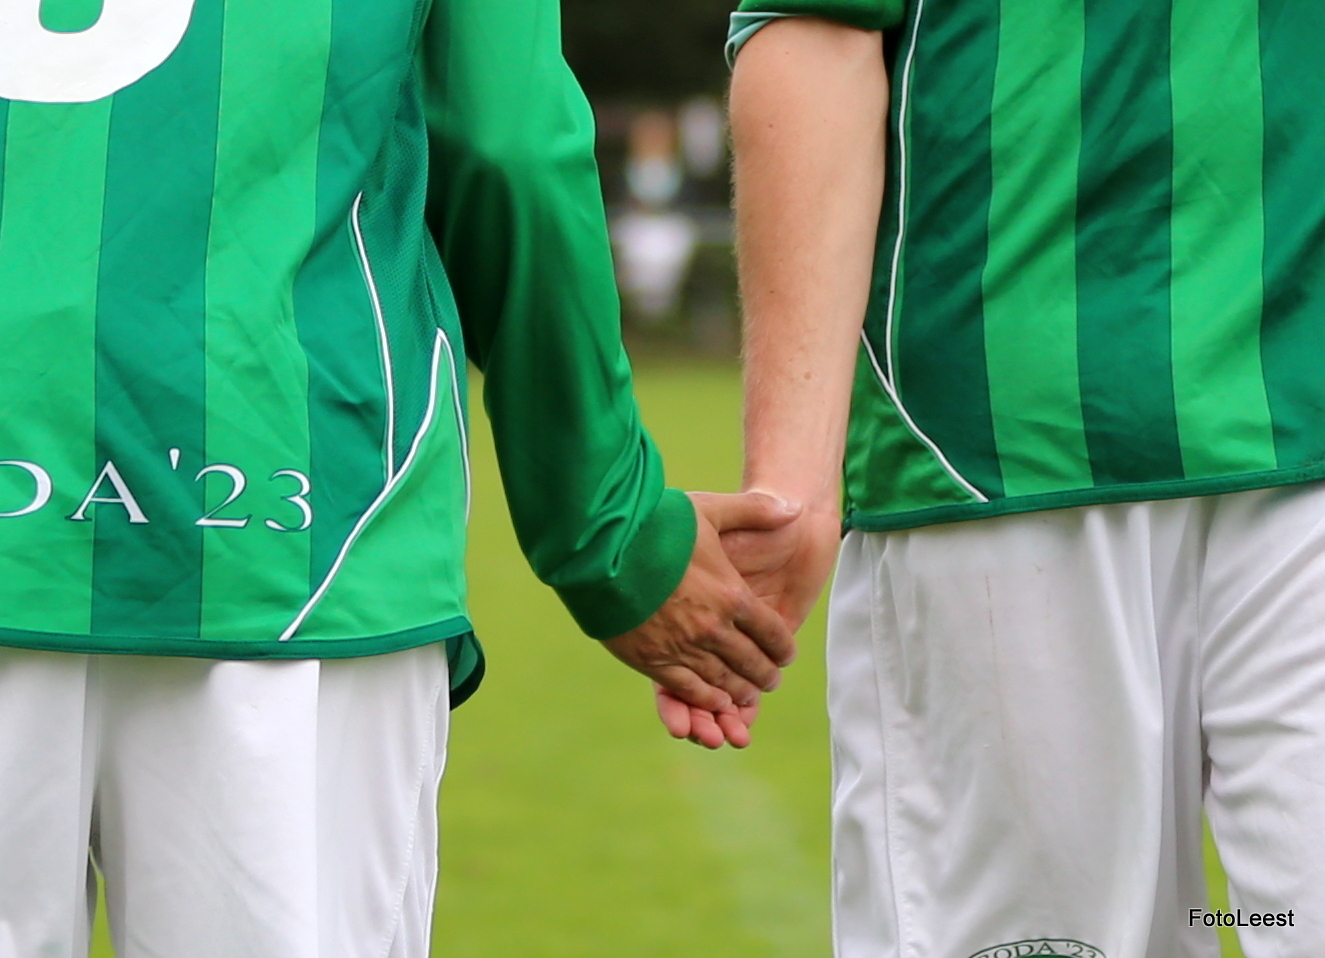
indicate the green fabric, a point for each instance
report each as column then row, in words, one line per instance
column 257, row 377
column 1293, row 335
column 4, row 134
column 1124, row 256
column 1219, row 239
column 520, row 200
column 70, row 16
column 232, row 345
column 149, row 578
column 55, row 170
column 1036, row 149
column 464, row 654
column 887, row 466
column 348, row 461
column 866, row 14
column 936, row 356
column 643, row 576
column 935, row 512
column 1110, row 278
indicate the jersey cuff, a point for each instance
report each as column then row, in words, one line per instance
column 744, row 26
column 652, row 567
column 865, row 14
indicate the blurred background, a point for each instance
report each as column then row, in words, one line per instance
column 656, row 77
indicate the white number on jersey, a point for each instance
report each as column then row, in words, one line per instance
column 130, row 40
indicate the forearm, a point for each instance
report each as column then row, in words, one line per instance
column 517, row 211
column 809, row 110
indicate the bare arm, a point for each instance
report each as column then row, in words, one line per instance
column 809, row 107
column 809, row 110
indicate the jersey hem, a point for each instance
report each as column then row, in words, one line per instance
column 463, row 651
column 866, row 521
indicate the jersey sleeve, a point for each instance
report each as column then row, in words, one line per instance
column 516, row 208
column 743, row 27
column 866, row 14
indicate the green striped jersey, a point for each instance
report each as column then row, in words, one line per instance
column 1101, row 264
column 233, row 360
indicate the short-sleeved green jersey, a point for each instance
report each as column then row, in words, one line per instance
column 1101, row 263
column 233, row 364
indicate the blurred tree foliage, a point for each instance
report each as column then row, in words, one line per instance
column 647, row 50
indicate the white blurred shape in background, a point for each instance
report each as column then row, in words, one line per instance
column 655, row 244
column 654, row 251
column 703, row 136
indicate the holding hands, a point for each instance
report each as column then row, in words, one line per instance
column 714, row 644
column 785, row 566
column 809, row 136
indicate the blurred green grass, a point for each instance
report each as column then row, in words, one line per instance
column 572, row 826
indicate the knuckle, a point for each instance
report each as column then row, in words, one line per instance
column 736, row 599
column 710, row 630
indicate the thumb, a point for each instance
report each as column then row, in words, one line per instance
column 755, row 511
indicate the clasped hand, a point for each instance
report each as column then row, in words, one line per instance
column 728, row 629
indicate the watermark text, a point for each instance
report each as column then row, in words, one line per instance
column 1240, row 919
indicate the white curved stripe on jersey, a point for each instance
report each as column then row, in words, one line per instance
column 384, row 341
column 382, row 496
column 903, row 181
column 460, row 422
column 888, row 378
column 916, row 430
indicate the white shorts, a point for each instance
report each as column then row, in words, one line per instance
column 237, row 809
column 1029, row 712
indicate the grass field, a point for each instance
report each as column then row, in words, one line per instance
column 572, row 826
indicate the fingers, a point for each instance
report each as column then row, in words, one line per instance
column 740, row 667
column 694, row 674
column 733, row 729
column 674, row 713
column 769, row 631
column 727, row 668
column 736, row 625
column 746, row 510
column 686, row 685
column 705, row 729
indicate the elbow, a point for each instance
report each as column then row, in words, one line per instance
column 527, row 152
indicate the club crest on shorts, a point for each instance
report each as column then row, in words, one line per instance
column 1042, row 948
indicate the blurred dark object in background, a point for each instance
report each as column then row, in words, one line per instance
column 655, row 74
column 658, row 51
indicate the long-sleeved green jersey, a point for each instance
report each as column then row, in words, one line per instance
column 1101, row 264
column 245, row 249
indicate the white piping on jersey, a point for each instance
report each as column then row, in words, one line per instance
column 916, row 430
column 382, row 496
column 384, row 341
column 888, row 379
column 903, row 181
column 460, row 422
